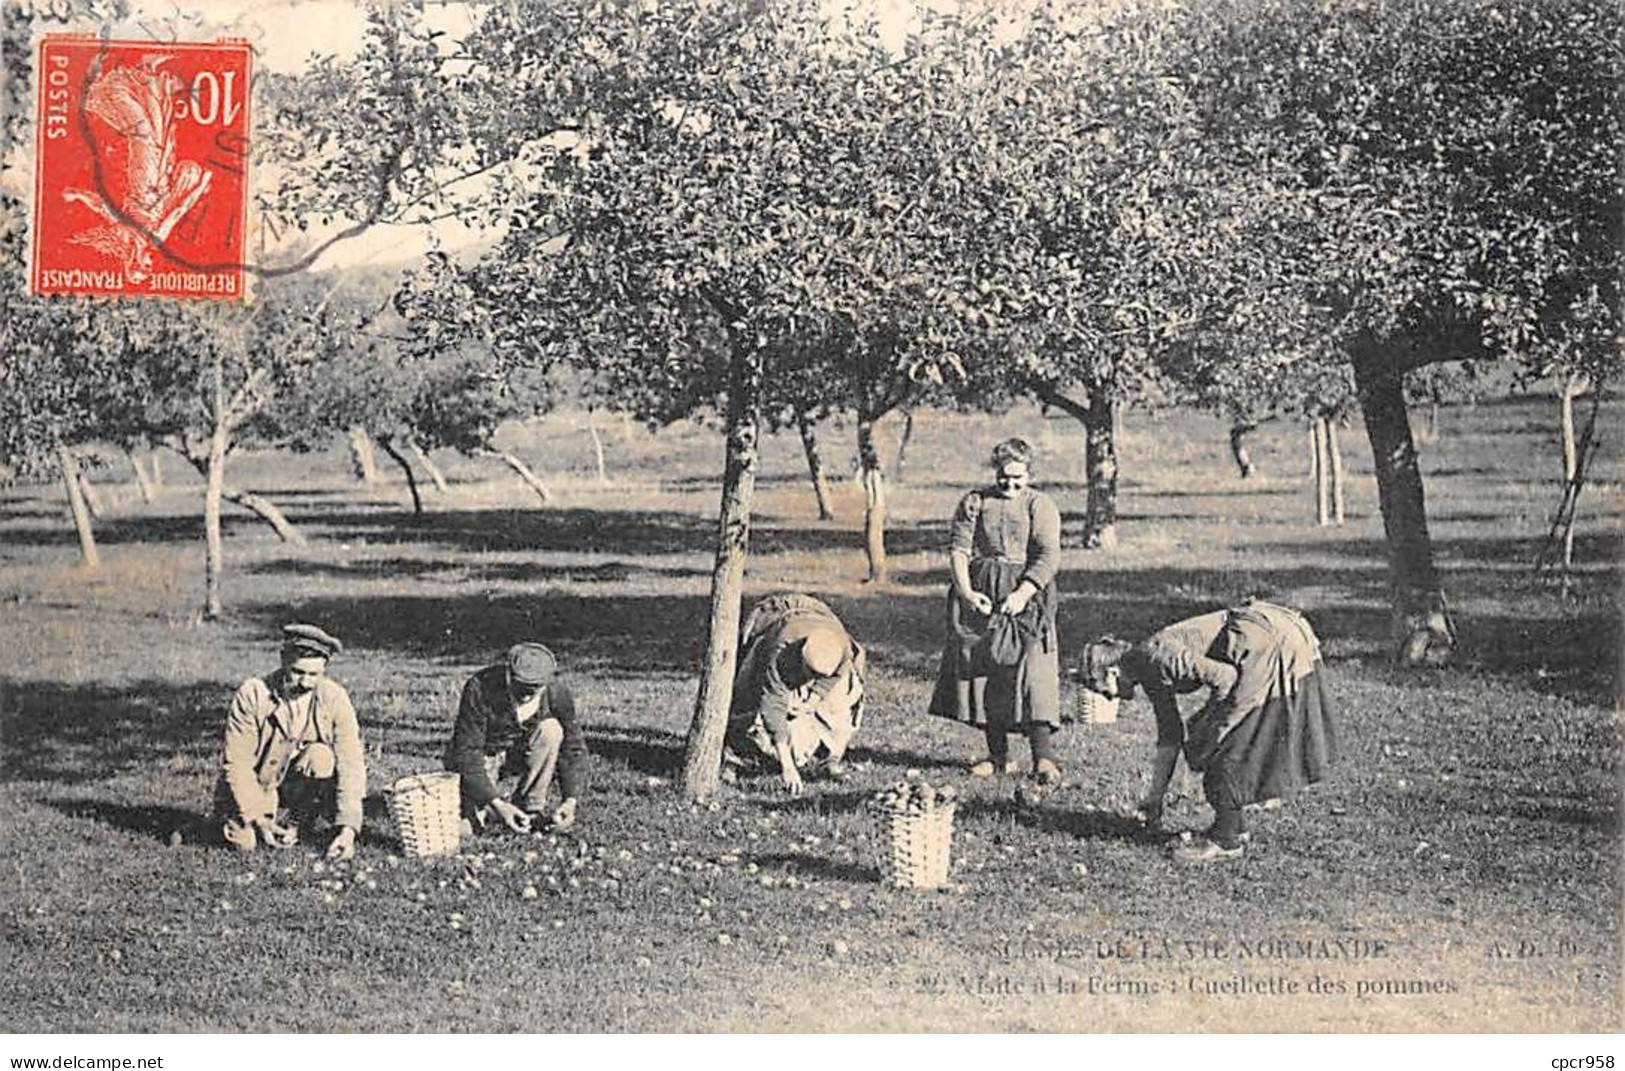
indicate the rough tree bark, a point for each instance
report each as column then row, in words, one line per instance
column 902, row 443
column 874, row 501
column 89, row 556
column 525, row 472
column 1571, row 388
column 1100, row 465
column 1319, row 471
column 261, row 507
column 388, row 443
column 597, row 446
column 1098, row 414
column 702, row 761
column 214, row 548
column 267, row 511
column 815, row 468
column 1422, row 631
column 92, row 497
column 1238, row 448
column 1334, row 451
column 143, row 482
column 362, row 458
column 422, row 457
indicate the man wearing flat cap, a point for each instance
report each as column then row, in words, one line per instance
column 293, row 752
column 798, row 688
column 517, row 719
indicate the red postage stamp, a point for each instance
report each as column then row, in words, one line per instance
column 141, row 180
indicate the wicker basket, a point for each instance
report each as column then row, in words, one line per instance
column 918, row 845
column 1095, row 708
column 425, row 809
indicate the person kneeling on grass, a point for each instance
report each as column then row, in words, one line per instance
column 517, row 719
column 798, row 689
column 1268, row 727
column 293, row 752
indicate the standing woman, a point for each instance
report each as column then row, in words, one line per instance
column 1001, row 667
column 1267, row 729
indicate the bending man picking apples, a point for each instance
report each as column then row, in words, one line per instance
column 517, row 719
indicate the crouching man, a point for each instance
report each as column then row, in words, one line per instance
column 516, row 719
column 293, row 753
column 798, row 689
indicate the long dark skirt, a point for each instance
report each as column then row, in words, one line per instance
column 1284, row 745
column 968, row 690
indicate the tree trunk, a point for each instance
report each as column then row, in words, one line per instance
column 89, row 556
column 902, row 443
column 1100, row 469
column 261, row 507
column 702, row 761
column 92, row 497
column 214, row 551
column 267, row 511
column 362, row 458
column 388, row 443
column 143, row 482
column 1565, row 396
column 532, row 481
column 874, row 501
column 1320, row 471
column 1422, row 631
column 815, row 468
column 597, row 446
column 1334, row 450
column 1430, row 430
column 157, row 460
column 1239, row 451
column 436, row 477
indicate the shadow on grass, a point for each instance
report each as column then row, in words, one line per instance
column 647, row 751
column 154, row 822
column 815, row 866
column 589, row 634
column 820, row 799
column 1053, row 816
column 197, row 827
column 76, row 733
column 629, row 532
column 455, row 570
column 904, row 760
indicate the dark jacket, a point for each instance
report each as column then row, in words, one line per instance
column 486, row 725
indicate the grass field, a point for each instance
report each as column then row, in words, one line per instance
column 1460, row 872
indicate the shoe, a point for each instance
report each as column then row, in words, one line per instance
column 986, row 767
column 1206, row 851
column 1046, row 773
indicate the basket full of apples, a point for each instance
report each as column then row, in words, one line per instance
column 917, row 830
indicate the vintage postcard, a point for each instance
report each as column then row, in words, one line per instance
column 669, row 516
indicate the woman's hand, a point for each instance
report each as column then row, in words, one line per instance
column 978, row 602
column 1017, row 600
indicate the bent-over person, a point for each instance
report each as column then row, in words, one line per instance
column 1267, row 729
column 798, row 688
column 517, row 719
column 292, row 752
